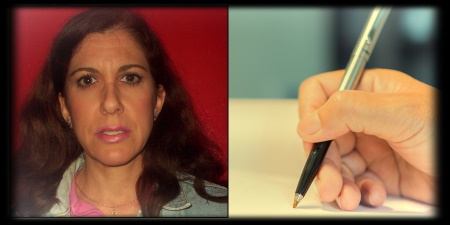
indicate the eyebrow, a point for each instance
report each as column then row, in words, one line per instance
column 129, row 66
column 87, row 69
column 121, row 69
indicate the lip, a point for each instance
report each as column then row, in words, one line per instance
column 113, row 134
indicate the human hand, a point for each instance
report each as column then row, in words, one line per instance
column 383, row 132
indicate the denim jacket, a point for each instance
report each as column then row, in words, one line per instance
column 187, row 204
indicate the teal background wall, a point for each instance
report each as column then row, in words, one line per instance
column 273, row 49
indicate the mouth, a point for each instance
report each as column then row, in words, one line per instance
column 113, row 134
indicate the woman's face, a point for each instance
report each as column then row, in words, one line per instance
column 110, row 97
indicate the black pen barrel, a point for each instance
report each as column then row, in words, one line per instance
column 312, row 166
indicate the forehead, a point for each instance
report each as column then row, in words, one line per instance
column 109, row 49
column 111, row 38
column 110, row 45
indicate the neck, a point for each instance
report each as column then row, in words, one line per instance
column 112, row 186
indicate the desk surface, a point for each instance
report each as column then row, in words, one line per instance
column 265, row 161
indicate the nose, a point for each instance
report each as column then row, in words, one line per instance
column 111, row 102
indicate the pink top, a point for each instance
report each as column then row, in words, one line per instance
column 79, row 208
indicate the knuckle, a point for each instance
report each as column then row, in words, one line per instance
column 341, row 101
column 307, row 82
column 339, row 97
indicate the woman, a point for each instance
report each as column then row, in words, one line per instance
column 110, row 131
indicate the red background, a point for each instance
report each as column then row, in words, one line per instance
column 196, row 39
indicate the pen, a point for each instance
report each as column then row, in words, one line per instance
column 352, row 75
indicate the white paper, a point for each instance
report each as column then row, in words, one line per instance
column 265, row 162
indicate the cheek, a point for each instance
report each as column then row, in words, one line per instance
column 140, row 108
column 83, row 111
column 141, row 116
column 77, row 103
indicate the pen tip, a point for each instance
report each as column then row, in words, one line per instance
column 298, row 197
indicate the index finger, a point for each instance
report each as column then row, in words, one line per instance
column 315, row 91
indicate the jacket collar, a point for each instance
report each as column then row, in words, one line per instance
column 62, row 193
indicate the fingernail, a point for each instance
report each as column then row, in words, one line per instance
column 338, row 202
column 311, row 124
column 370, row 200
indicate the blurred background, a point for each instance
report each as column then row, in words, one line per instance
column 273, row 49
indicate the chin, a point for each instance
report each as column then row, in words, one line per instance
column 115, row 158
column 123, row 160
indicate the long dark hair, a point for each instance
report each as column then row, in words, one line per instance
column 178, row 143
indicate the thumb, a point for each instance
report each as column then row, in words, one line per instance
column 391, row 117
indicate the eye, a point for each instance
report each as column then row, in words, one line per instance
column 131, row 78
column 86, row 80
